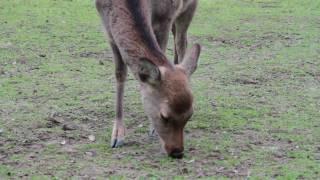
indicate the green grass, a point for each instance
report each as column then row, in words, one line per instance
column 257, row 91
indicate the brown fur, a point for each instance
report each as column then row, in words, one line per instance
column 138, row 32
column 179, row 99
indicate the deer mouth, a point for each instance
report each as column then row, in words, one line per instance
column 177, row 154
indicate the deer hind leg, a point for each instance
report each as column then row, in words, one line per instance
column 119, row 130
column 161, row 31
column 179, row 30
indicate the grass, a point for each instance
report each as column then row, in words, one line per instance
column 256, row 89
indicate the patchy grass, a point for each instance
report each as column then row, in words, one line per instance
column 257, row 93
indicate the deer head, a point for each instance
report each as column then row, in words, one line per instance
column 168, row 99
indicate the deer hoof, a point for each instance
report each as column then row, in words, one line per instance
column 118, row 134
column 116, row 143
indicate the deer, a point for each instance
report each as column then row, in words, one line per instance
column 138, row 32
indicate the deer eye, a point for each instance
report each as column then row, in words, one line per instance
column 164, row 118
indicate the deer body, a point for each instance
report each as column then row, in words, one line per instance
column 138, row 32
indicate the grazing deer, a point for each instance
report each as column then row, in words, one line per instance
column 138, row 32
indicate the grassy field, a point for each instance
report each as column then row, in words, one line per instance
column 257, row 92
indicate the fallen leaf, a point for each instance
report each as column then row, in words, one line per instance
column 191, row 161
column 92, row 138
column 63, row 142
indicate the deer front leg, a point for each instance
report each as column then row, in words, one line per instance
column 119, row 130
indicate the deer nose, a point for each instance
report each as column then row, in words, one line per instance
column 177, row 153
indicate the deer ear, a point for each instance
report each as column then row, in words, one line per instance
column 148, row 72
column 190, row 61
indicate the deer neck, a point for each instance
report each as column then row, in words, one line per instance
column 132, row 32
